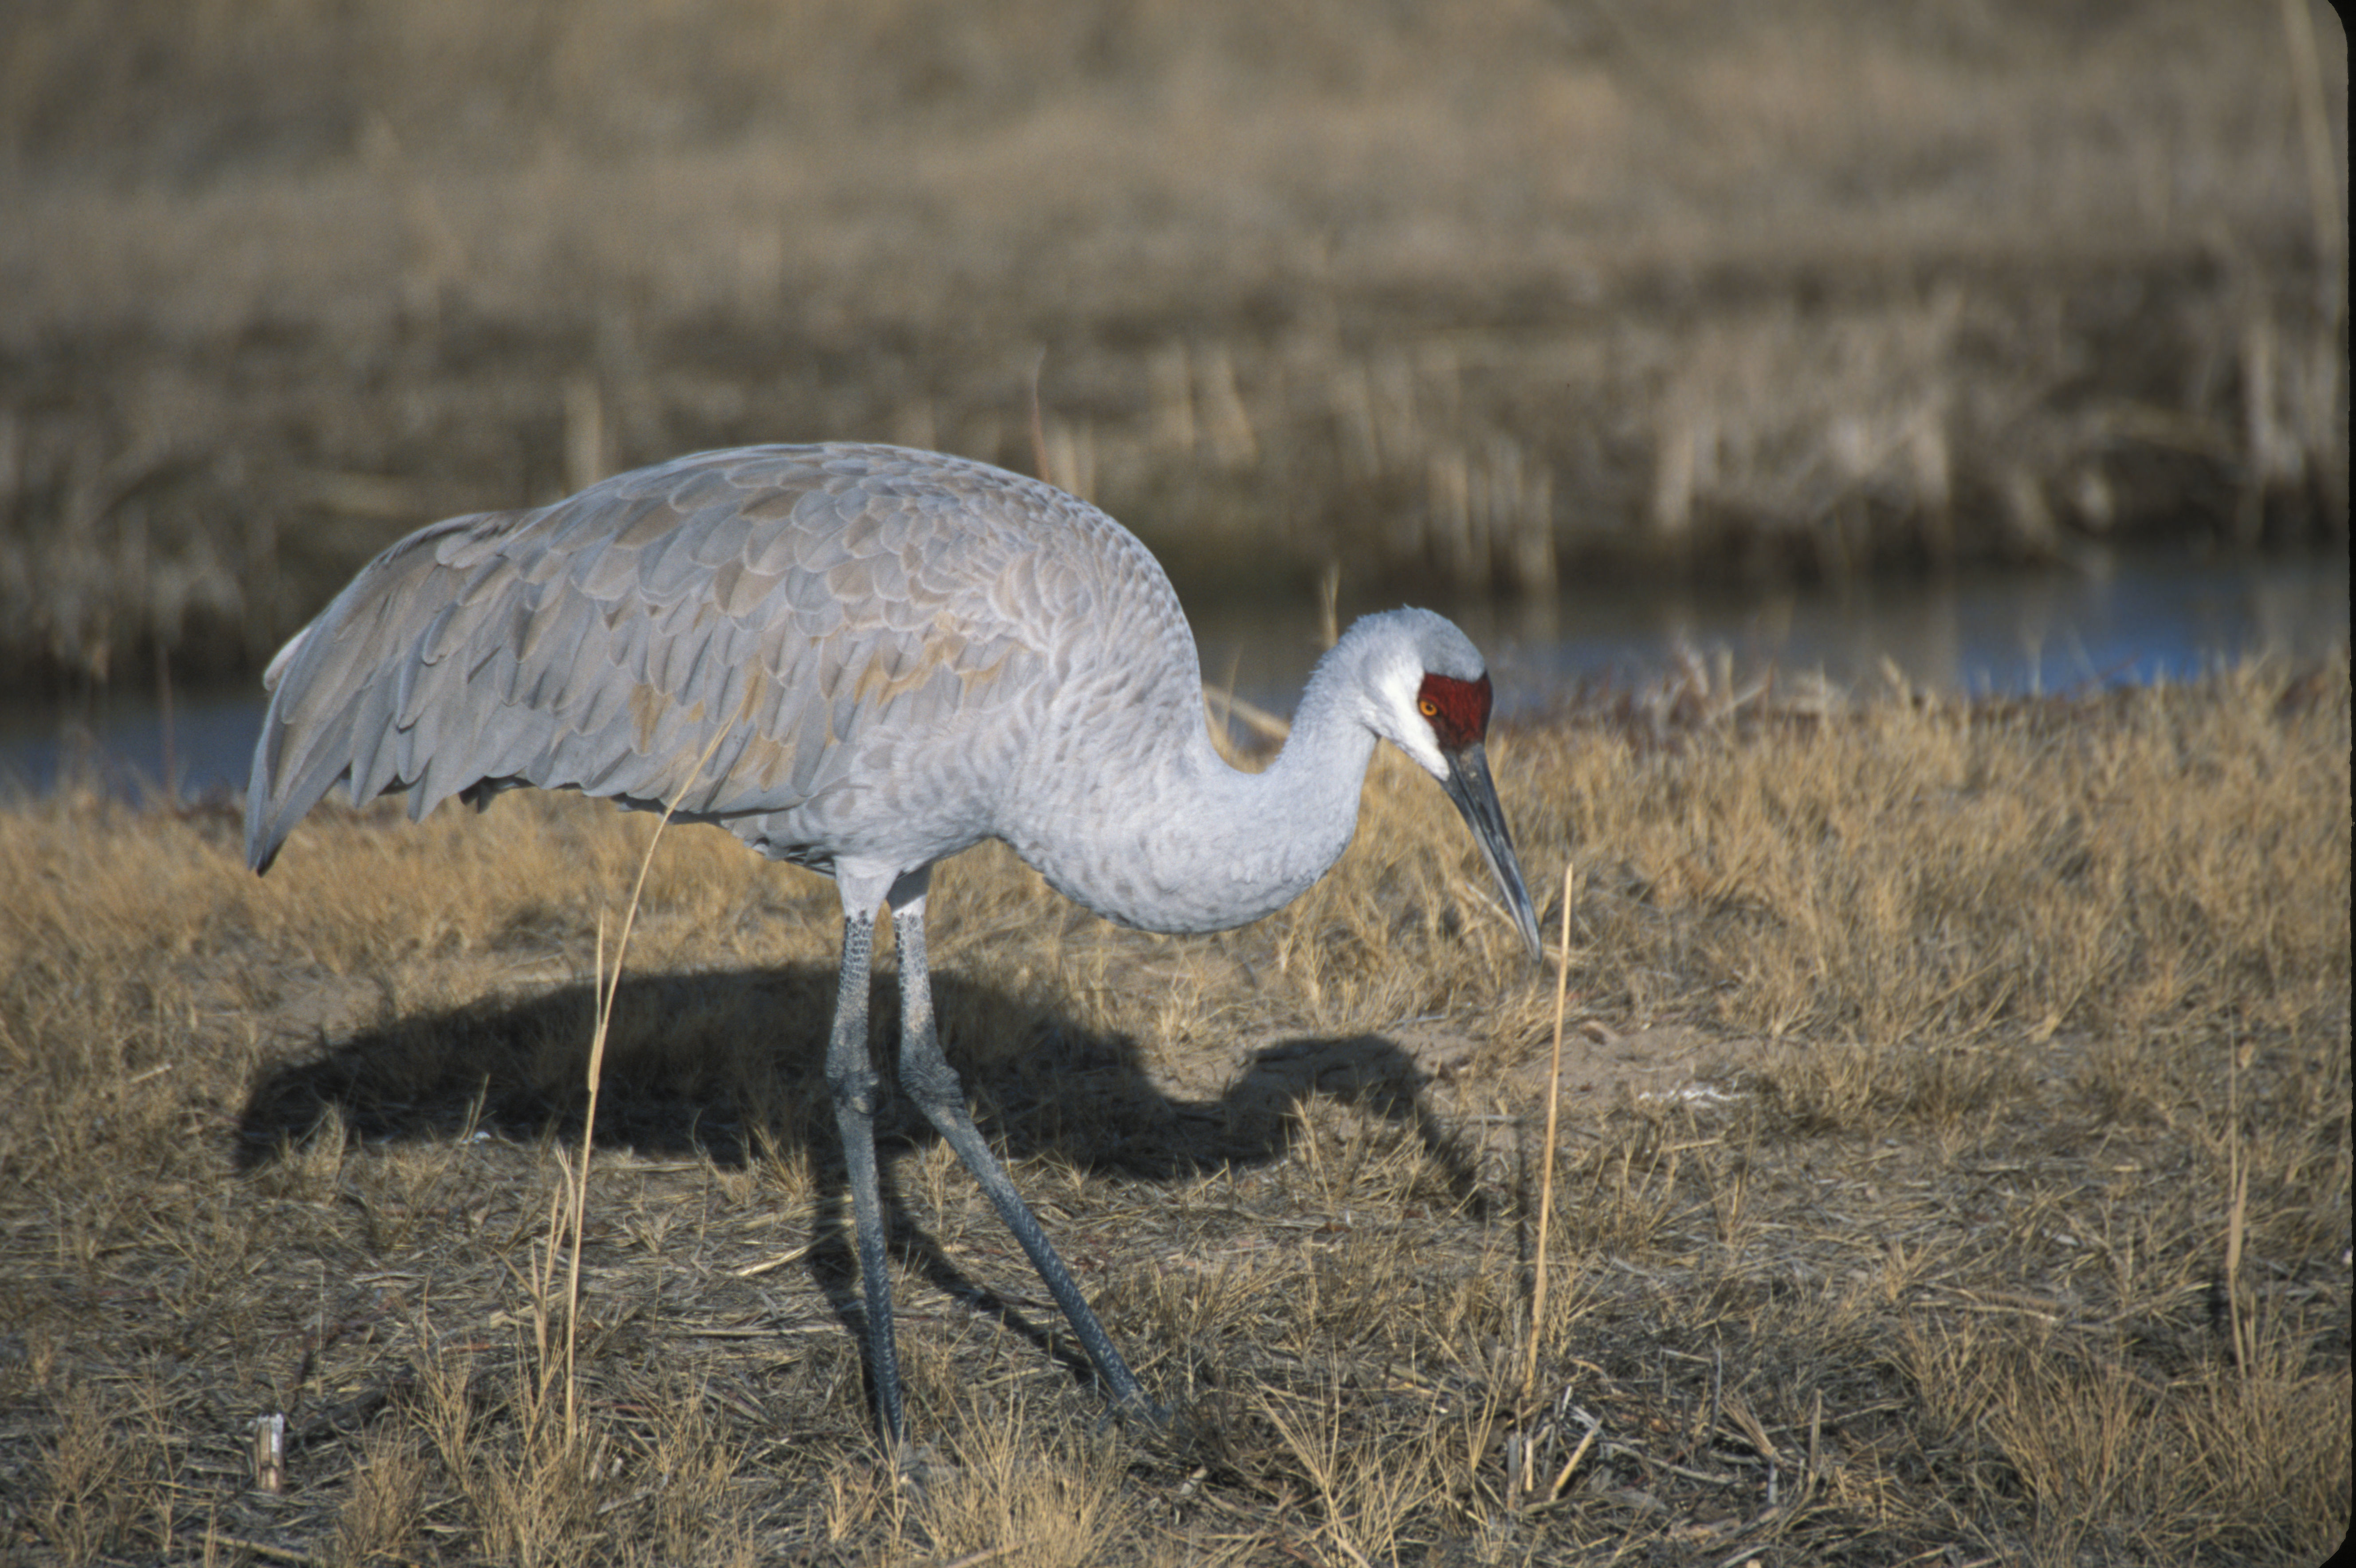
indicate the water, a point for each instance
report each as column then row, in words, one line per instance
column 2140, row 616
column 2114, row 618
column 119, row 739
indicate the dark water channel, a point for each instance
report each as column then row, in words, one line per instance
column 2140, row 616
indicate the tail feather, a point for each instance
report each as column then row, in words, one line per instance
column 333, row 688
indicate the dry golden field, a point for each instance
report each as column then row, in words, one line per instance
column 1955, row 1169
column 1467, row 295
column 1956, row 1101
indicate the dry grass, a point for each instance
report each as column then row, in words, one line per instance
column 1464, row 294
column 1955, row 1161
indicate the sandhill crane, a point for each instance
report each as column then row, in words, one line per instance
column 908, row 653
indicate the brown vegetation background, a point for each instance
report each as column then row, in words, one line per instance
column 1461, row 295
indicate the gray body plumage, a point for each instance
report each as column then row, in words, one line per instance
column 908, row 653
column 861, row 660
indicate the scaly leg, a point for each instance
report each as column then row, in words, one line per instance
column 929, row 1080
column 850, row 1079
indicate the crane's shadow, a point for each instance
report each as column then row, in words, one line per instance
column 729, row 1065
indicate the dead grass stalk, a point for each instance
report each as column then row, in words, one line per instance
column 1553, row 1121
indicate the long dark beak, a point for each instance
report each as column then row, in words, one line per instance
column 1468, row 785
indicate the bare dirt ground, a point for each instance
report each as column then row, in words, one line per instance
column 1954, row 1167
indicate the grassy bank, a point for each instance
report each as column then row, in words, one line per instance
column 1955, row 1163
column 1473, row 294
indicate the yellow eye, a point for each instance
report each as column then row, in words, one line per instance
column 1427, row 708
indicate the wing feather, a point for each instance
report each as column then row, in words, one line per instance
column 376, row 745
column 509, row 739
column 606, row 571
column 833, row 615
column 559, row 657
column 667, row 569
column 722, row 539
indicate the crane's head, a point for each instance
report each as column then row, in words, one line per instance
column 1430, row 696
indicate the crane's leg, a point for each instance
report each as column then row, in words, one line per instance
column 929, row 1080
column 851, row 1080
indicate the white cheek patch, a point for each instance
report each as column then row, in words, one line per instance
column 1394, row 691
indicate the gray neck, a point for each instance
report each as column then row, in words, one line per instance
column 1183, row 842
